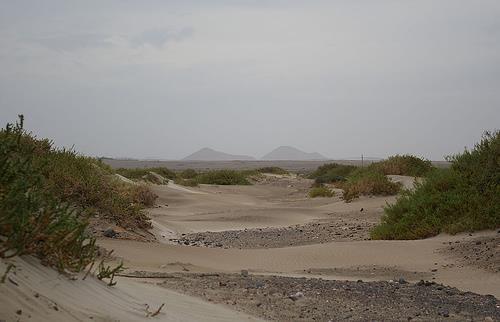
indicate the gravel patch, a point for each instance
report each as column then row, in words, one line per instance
column 481, row 252
column 313, row 233
column 278, row 298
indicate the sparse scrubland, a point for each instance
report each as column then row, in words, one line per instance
column 370, row 180
column 192, row 178
column 188, row 174
column 465, row 197
column 272, row 170
column 331, row 172
column 321, row 191
column 406, row 165
column 48, row 194
column 148, row 174
column 223, row 177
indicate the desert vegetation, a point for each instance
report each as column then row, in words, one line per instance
column 272, row 170
column 406, row 165
column 368, row 181
column 192, row 178
column 159, row 175
column 465, row 197
column 48, row 194
column 223, row 177
column 331, row 172
column 321, row 191
column 217, row 177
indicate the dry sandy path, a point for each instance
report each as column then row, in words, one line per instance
column 219, row 208
column 284, row 202
column 411, row 256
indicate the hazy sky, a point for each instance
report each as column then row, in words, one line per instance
column 160, row 79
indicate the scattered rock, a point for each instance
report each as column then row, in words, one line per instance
column 444, row 312
column 337, row 300
column 296, row 296
column 110, row 233
column 244, row 273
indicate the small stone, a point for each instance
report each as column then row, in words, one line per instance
column 110, row 233
column 488, row 319
column 19, row 312
column 402, row 281
column 244, row 273
column 444, row 312
column 296, row 296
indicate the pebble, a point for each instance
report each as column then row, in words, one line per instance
column 110, row 233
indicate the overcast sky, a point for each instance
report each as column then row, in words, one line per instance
column 160, row 79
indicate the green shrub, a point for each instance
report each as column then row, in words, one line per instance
column 223, row 177
column 32, row 220
column 368, row 181
column 47, row 195
column 331, row 172
column 145, row 174
column 188, row 174
column 272, row 170
column 407, row 165
column 82, row 182
column 465, row 197
column 186, row 182
column 321, row 191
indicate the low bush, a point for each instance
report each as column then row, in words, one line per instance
column 48, row 194
column 186, row 182
column 331, row 172
column 407, row 165
column 145, row 174
column 223, row 177
column 188, row 174
column 82, row 182
column 465, row 197
column 32, row 220
column 321, row 191
column 272, row 170
column 368, row 181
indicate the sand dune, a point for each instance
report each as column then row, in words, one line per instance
column 275, row 204
column 38, row 293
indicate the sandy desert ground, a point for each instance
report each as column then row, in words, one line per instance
column 268, row 251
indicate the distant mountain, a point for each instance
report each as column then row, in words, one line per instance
column 291, row 153
column 207, row 154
